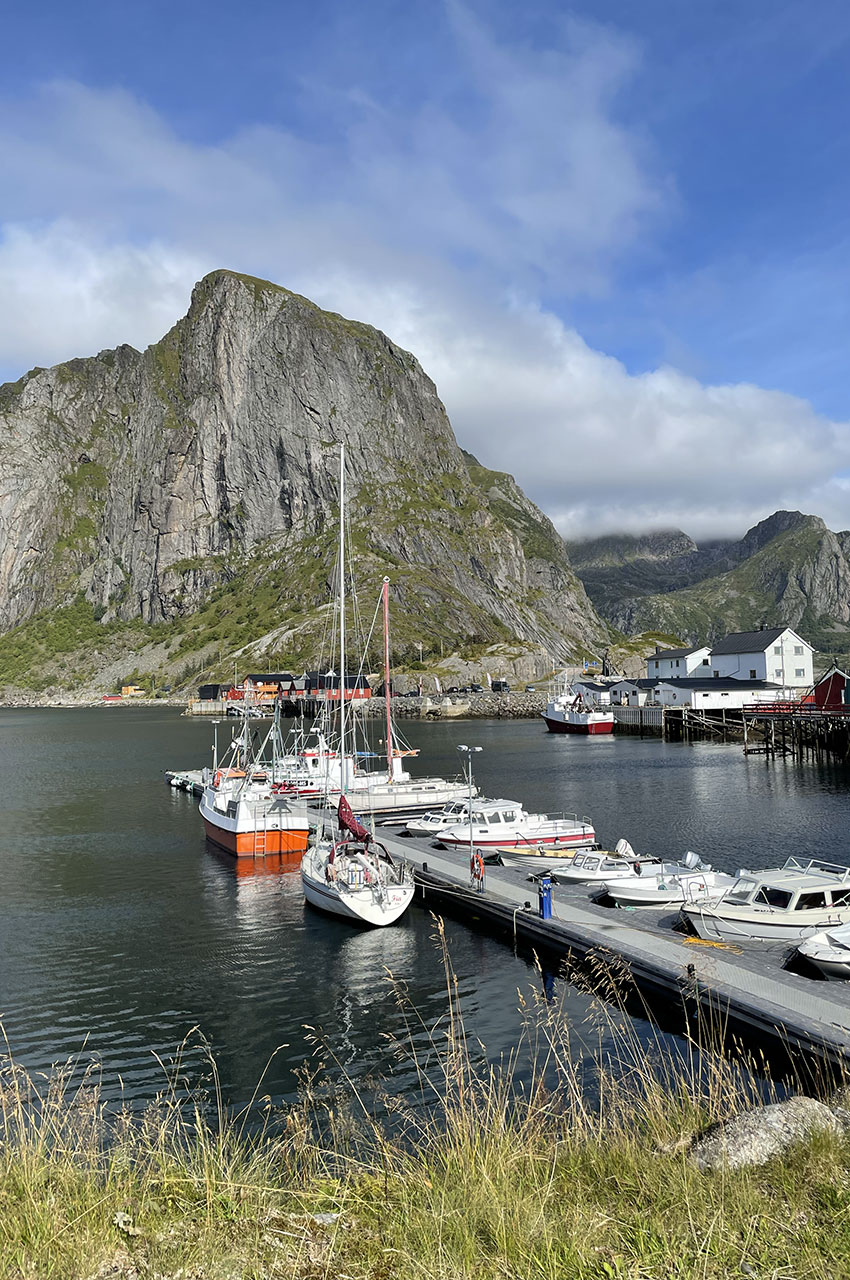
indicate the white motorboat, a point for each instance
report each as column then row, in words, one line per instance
column 438, row 820
column 570, row 713
column 496, row 825
column 354, row 876
column 690, row 880
column 781, row 904
column 829, row 951
column 596, row 866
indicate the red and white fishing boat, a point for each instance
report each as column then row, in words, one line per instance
column 570, row 713
column 500, row 824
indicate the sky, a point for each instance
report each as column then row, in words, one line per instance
column 615, row 234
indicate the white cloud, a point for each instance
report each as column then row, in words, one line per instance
column 442, row 227
column 65, row 294
column 601, row 450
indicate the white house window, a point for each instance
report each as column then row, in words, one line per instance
column 798, row 651
column 777, row 648
column 753, row 673
column 724, row 695
column 778, row 673
column 677, row 662
column 656, row 666
column 716, row 675
column 799, row 672
column 705, row 662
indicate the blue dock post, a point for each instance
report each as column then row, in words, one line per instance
column 544, row 898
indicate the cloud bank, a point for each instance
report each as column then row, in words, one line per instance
column 462, row 227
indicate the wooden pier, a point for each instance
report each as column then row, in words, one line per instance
column 797, row 729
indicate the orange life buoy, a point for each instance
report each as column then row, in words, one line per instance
column 476, row 866
column 217, row 779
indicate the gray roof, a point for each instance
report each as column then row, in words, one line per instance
column 717, row 682
column 677, row 653
column 748, row 641
column 643, row 682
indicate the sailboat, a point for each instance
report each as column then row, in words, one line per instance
column 333, row 770
column 355, row 876
column 351, row 875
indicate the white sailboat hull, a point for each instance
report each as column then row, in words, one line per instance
column 375, row 905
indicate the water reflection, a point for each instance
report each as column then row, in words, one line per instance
column 123, row 929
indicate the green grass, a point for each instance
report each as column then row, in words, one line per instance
column 489, row 1176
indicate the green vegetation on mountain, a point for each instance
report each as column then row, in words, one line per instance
column 175, row 509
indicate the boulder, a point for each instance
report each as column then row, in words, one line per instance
column 754, row 1137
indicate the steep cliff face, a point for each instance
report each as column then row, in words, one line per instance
column 787, row 569
column 149, row 481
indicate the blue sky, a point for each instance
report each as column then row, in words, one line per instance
column 616, row 234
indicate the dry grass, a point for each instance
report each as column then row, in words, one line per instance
column 571, row 1170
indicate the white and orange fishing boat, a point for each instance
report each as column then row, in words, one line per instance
column 243, row 812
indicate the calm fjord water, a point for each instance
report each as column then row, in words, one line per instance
column 121, row 930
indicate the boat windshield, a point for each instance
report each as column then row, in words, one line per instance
column 509, row 817
column 767, row 897
column 741, row 891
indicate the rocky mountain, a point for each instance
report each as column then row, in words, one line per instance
column 789, row 568
column 185, row 498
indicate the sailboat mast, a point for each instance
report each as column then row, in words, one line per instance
column 387, row 686
column 343, row 761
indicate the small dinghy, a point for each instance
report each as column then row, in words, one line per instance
column 829, row 951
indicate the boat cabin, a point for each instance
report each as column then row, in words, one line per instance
column 798, row 886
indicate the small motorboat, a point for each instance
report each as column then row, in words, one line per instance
column 780, row 904
column 438, row 820
column 829, row 951
column 502, row 825
column 668, row 883
column 596, row 866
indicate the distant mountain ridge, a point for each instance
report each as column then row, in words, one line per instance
column 789, row 569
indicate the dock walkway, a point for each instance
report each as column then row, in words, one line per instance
column 745, row 986
column 751, row 989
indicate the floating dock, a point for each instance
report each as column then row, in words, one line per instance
column 743, row 987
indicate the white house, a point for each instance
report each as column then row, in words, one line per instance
column 717, row 693
column 776, row 654
column 632, row 693
column 677, row 663
column 596, row 694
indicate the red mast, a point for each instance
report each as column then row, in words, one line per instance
column 387, row 691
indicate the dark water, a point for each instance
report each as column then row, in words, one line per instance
column 121, row 930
